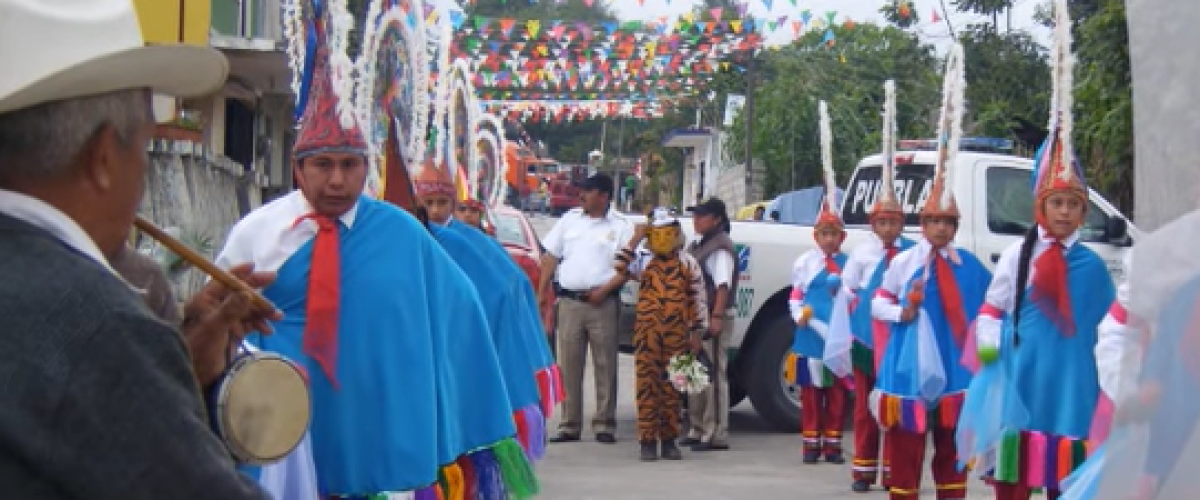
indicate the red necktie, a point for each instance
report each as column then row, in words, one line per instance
column 891, row 252
column 831, row 266
column 952, row 304
column 1050, row 288
column 320, row 327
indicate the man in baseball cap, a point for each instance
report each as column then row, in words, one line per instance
column 102, row 399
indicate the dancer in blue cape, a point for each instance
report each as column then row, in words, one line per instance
column 1029, row 412
column 408, row 397
column 861, row 277
column 816, row 279
column 928, row 296
column 514, row 325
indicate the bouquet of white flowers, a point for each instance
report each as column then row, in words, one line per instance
column 687, row 374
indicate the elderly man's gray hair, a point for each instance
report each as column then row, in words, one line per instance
column 43, row 140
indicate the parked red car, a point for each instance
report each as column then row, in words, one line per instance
column 516, row 234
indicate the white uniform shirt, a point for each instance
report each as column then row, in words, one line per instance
column 1001, row 294
column 269, row 235
column 585, row 247
column 719, row 265
column 885, row 304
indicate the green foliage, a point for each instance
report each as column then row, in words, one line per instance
column 1007, row 78
column 1103, row 98
column 902, row 13
column 849, row 76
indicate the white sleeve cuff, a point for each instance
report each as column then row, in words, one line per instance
column 987, row 332
column 886, row 310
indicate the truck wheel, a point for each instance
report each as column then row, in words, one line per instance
column 737, row 394
column 776, row 400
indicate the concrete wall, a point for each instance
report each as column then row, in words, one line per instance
column 1166, row 178
column 195, row 198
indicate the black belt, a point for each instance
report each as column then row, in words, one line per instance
column 580, row 295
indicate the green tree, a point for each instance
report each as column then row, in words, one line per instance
column 902, row 13
column 1103, row 95
column 1007, row 80
column 849, row 75
column 991, row 8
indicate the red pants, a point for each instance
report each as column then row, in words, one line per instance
column 822, row 414
column 906, row 452
column 866, row 432
column 1012, row 491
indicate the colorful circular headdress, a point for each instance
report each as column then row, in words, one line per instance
column 392, row 95
column 487, row 159
column 460, row 126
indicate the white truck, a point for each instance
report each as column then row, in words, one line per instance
column 995, row 197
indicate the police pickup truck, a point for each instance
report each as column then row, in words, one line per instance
column 995, row 198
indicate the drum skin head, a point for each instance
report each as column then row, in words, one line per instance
column 264, row 408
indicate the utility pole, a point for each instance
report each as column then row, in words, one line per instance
column 749, row 111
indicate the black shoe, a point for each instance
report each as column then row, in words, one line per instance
column 605, row 437
column 861, row 486
column 649, row 451
column 812, row 457
column 706, row 446
column 670, row 451
column 688, row 441
column 835, row 458
column 564, row 437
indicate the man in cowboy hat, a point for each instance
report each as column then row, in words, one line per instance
column 101, row 398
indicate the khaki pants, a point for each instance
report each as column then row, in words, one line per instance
column 580, row 326
column 708, row 412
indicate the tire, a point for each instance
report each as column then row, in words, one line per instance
column 773, row 399
column 737, row 393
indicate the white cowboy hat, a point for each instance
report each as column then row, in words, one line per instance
column 52, row 50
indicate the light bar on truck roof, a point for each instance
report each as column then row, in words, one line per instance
column 977, row 144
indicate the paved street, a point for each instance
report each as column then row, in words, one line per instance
column 761, row 464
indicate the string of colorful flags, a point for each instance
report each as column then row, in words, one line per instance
column 564, row 70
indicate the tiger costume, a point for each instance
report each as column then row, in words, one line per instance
column 671, row 308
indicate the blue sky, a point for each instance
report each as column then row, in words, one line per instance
column 857, row 10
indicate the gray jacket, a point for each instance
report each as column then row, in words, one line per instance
column 97, row 397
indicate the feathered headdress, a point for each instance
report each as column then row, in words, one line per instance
column 1055, row 167
column 464, row 111
column 941, row 201
column 487, row 159
column 828, row 216
column 885, row 201
column 436, row 178
column 325, row 98
column 390, row 97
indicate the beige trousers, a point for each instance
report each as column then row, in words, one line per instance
column 580, row 326
column 708, row 412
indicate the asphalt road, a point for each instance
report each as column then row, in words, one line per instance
column 761, row 464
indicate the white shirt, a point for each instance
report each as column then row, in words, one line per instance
column 45, row 216
column 862, row 263
column 269, row 235
column 585, row 247
column 1001, row 294
column 884, row 306
column 719, row 265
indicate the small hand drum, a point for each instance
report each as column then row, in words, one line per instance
column 262, row 408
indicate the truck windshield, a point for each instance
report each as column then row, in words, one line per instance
column 912, row 187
